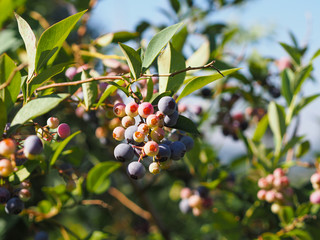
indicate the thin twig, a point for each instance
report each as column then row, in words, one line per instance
column 129, row 204
column 96, row 202
column 12, row 74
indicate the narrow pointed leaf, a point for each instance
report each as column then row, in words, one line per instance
column 168, row 62
column 201, row 56
column 261, row 128
column 149, row 90
column 90, row 91
column 3, row 116
column 199, row 82
column 52, row 39
column 157, row 43
column 133, row 60
column 301, row 77
column 286, row 83
column 293, row 52
column 179, row 39
column 186, row 124
column 109, row 90
column 29, row 40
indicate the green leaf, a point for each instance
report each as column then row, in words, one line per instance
column 315, row 55
column 90, row 91
column 61, row 146
column 109, row 90
column 261, row 128
column 36, row 108
column 9, row 94
column 196, row 83
column 157, row 43
column 291, row 143
column 45, row 75
column 133, row 60
column 168, row 62
column 149, row 89
column 293, row 52
column 29, row 40
column 302, row 149
column 98, row 177
column 179, row 39
column 124, row 36
column 299, row 234
column 186, row 124
column 301, row 77
column 23, row 173
column 104, row 40
column 123, row 89
column 52, row 39
column 156, row 97
column 286, row 85
column 175, row 5
column 200, row 57
column 3, row 116
column 276, row 117
column 304, row 102
column 286, row 215
column 269, row 236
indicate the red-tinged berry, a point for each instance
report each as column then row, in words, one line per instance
column 270, row 196
column 53, row 122
column 315, row 178
column 153, row 120
column 195, row 201
column 24, row 194
column 5, row 167
column 270, row 179
column 151, row 148
column 278, row 172
column 145, row 109
column 118, row 133
column 128, row 121
column 262, row 183
column 157, row 134
column 144, row 128
column 115, row 122
column 7, row 147
column 119, row 109
column 131, row 109
column 71, row 72
column 154, row 168
column 315, row 197
column 101, row 132
column 197, row 211
column 138, row 136
column 262, row 194
column 63, row 130
column 185, row 192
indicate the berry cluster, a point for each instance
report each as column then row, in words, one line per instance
column 14, row 152
column 275, row 189
column 232, row 124
column 147, row 137
column 195, row 201
column 315, row 196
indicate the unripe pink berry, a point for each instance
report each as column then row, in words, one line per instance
column 154, row 168
column 7, row 147
column 144, row 128
column 279, row 196
column 262, row 194
column 270, row 196
column 131, row 109
column 101, row 132
column 5, row 167
column 283, row 63
column 127, row 121
column 197, row 211
column 118, row 133
column 71, row 72
column 278, row 172
column 152, row 120
column 63, row 130
column 277, row 183
column 262, row 183
column 24, row 194
column 182, row 108
column 53, row 122
column 315, row 197
column 145, row 109
column 284, row 181
column 270, row 179
column 316, row 186
column 119, row 109
column 151, row 148
column 185, row 192
column 195, row 201
column 315, row 178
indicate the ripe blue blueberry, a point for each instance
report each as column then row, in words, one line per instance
column 184, row 206
column 202, row 191
column 164, row 153
column 4, row 195
column 166, row 142
column 188, row 142
column 42, row 235
column 171, row 120
column 14, row 206
column 167, row 105
column 136, row 170
column 178, row 149
column 128, row 134
column 123, row 152
column 33, row 145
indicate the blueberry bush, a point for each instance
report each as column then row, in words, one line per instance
column 109, row 137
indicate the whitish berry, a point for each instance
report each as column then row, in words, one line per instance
column 152, row 120
column 164, row 153
column 171, row 120
column 195, row 201
column 14, row 206
column 127, row 121
column 151, row 148
column 131, row 109
column 145, row 109
column 270, row 196
column 154, row 168
column 123, row 152
column 167, row 105
column 119, row 109
column 7, row 147
column 136, row 170
column 184, row 206
column 138, row 136
column 188, row 142
column 53, row 122
column 5, row 167
column 275, row 208
column 178, row 149
column 63, row 130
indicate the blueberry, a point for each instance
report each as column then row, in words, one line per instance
column 136, row 170
column 171, row 120
column 14, row 206
column 4, row 195
column 202, row 191
column 123, row 152
column 184, row 206
column 164, row 153
column 128, row 134
column 42, row 235
column 167, row 105
column 178, row 149
column 188, row 142
column 33, row 145
column 206, row 92
column 166, row 142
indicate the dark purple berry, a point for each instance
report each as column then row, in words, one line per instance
column 188, row 142
column 33, row 145
column 14, row 206
column 167, row 105
column 42, row 235
column 202, row 191
column 178, row 149
column 4, row 195
column 123, row 152
column 136, row 170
